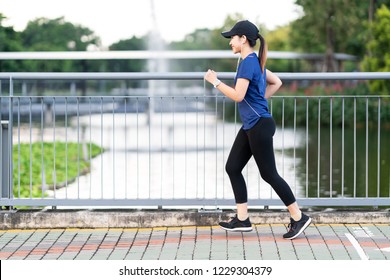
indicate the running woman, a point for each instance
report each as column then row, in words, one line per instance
column 253, row 85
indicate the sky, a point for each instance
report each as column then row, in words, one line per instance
column 114, row 20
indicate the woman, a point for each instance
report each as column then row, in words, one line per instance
column 254, row 84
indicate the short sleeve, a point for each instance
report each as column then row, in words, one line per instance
column 246, row 69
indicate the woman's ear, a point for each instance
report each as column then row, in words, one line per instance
column 243, row 39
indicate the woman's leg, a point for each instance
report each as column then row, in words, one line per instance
column 261, row 143
column 238, row 158
column 294, row 211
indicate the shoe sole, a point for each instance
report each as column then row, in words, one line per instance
column 237, row 229
column 308, row 222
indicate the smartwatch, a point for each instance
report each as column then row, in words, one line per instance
column 216, row 83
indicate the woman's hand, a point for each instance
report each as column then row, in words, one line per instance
column 211, row 76
column 237, row 93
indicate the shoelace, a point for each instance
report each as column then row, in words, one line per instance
column 291, row 225
column 233, row 220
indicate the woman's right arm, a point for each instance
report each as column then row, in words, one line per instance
column 236, row 94
column 274, row 83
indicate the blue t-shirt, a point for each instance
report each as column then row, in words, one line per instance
column 254, row 105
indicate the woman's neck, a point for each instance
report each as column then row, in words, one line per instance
column 245, row 51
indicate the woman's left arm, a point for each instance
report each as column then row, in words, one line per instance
column 274, row 83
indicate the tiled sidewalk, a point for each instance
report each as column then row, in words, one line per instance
column 319, row 242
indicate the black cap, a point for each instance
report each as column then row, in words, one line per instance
column 243, row 27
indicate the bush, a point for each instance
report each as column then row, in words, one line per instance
column 59, row 168
column 330, row 100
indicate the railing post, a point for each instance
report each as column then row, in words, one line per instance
column 5, row 162
column 6, row 150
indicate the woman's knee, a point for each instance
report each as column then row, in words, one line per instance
column 271, row 178
column 231, row 168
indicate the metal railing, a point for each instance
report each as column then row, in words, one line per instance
column 170, row 150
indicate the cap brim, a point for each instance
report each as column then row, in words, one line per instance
column 227, row 34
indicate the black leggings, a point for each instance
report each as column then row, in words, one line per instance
column 258, row 142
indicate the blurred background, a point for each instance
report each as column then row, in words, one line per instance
column 302, row 36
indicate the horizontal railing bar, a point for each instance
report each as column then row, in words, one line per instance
column 199, row 54
column 109, row 98
column 186, row 76
column 193, row 202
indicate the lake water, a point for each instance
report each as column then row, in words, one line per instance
column 183, row 156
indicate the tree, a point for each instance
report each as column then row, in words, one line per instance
column 45, row 34
column 277, row 40
column 322, row 28
column 9, row 42
column 57, row 34
column 132, row 44
column 331, row 26
column 378, row 57
column 125, row 65
column 200, row 39
column 9, row 38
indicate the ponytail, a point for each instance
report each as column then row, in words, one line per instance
column 262, row 53
column 262, row 50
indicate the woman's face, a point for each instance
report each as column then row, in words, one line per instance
column 236, row 43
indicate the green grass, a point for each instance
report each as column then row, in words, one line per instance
column 62, row 163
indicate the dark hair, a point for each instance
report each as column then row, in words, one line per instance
column 262, row 50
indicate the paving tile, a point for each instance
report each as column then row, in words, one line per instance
column 335, row 246
column 202, row 243
column 187, row 244
column 155, row 244
column 171, row 244
column 384, row 231
column 68, row 256
column 134, row 256
column 268, row 248
column 285, row 247
column 252, row 250
column 265, row 242
column 315, row 249
column 340, row 231
column 368, row 239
